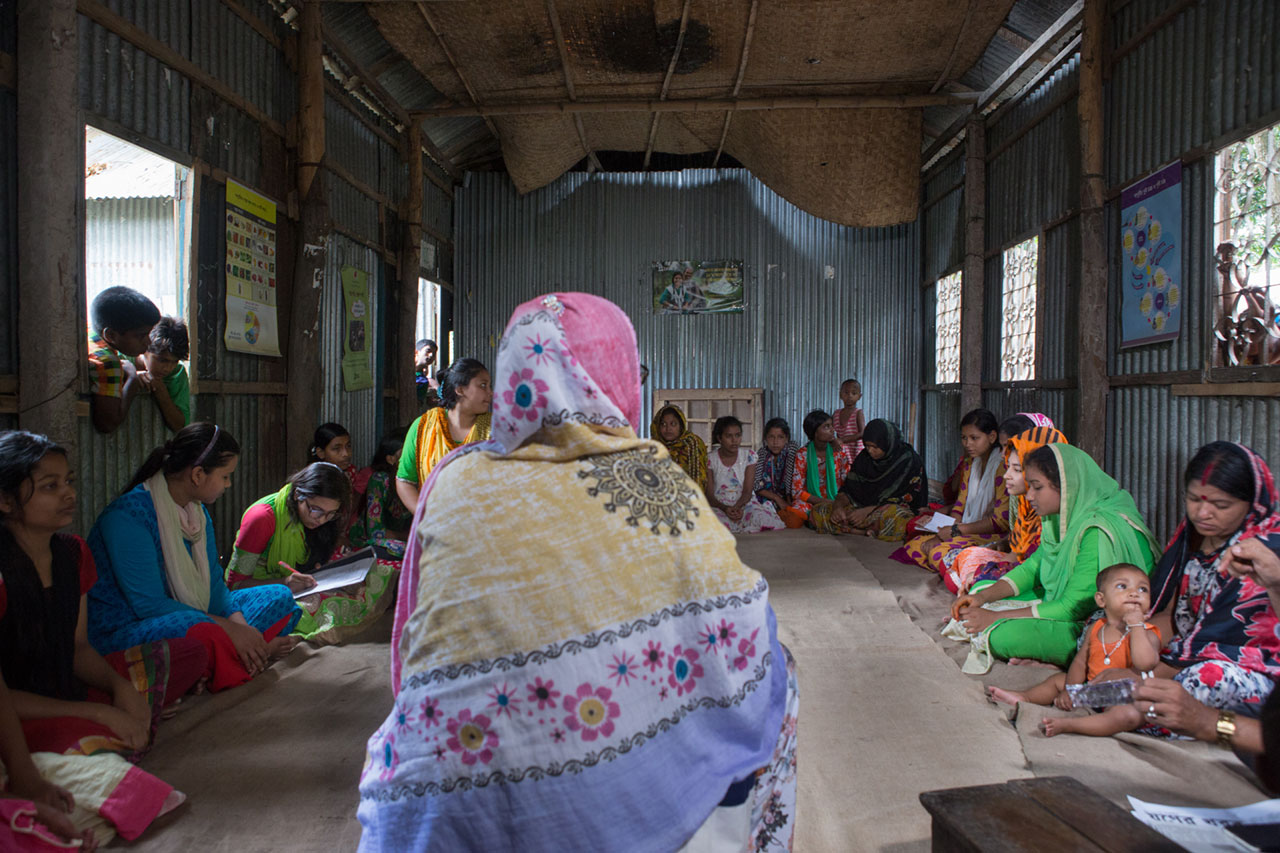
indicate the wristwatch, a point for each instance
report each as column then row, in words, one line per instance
column 1226, row 728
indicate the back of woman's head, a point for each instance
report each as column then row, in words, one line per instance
column 201, row 444
column 1015, row 425
column 722, row 423
column 20, row 452
column 982, row 419
column 1043, row 460
column 813, row 420
column 1224, row 466
column 455, row 376
column 777, row 423
column 324, row 434
column 390, row 445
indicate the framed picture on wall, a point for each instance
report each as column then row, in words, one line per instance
column 697, row 287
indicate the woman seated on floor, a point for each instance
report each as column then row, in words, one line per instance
column 775, row 469
column 687, row 450
column 1089, row 523
column 159, row 576
column 466, row 396
column 695, row 711
column 820, row 471
column 976, row 497
column 1216, row 590
column 382, row 522
column 289, row 534
column 885, row 488
column 69, row 698
column 977, row 563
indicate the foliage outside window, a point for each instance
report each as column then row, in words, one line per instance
column 1247, row 233
column 1018, row 312
column 946, row 363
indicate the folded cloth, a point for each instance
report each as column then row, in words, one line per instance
column 980, row 660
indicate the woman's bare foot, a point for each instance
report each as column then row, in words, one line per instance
column 1008, row 697
column 281, row 646
column 201, row 686
column 1029, row 662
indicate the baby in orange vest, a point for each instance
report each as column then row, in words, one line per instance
column 1122, row 640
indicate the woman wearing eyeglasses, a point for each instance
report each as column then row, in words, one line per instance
column 158, row 573
column 285, row 536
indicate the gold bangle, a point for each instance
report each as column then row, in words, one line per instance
column 1226, row 728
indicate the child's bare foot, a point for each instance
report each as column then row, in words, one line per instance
column 1008, row 697
column 281, row 646
column 1056, row 725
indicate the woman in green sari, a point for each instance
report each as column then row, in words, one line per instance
column 1089, row 523
column 286, row 535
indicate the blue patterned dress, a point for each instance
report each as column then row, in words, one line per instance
column 131, row 602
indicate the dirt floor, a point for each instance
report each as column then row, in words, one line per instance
column 885, row 714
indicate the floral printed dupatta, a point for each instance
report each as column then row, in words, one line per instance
column 545, row 684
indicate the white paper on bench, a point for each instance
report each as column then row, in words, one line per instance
column 1203, row 829
column 351, row 569
column 937, row 522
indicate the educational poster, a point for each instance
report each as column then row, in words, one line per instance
column 251, row 273
column 697, row 287
column 357, row 374
column 1151, row 258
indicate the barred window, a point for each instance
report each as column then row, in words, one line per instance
column 946, row 364
column 1018, row 312
column 1247, row 231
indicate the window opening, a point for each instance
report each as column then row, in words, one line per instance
column 135, row 215
column 1018, row 312
column 1247, row 233
column 946, row 358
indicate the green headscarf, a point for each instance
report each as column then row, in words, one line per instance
column 288, row 543
column 1091, row 500
column 811, row 482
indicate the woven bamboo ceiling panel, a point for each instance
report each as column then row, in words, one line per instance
column 854, row 166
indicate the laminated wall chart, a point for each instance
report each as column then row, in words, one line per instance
column 251, row 273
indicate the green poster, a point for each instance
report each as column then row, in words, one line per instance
column 356, row 372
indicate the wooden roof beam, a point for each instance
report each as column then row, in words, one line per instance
column 457, row 69
column 703, row 105
column 1068, row 20
column 666, row 81
column 554, row 16
column 737, row 83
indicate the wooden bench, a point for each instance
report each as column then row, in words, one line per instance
column 1054, row 813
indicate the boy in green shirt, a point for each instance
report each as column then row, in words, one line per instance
column 161, row 370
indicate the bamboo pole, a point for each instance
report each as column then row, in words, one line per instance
column 973, row 280
column 410, row 262
column 1092, row 336
column 50, row 142
column 313, row 232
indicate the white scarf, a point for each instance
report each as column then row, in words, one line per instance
column 186, row 571
column 982, row 493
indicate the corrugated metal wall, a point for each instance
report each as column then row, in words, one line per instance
column 108, row 462
column 131, row 242
column 824, row 302
column 1209, row 74
column 359, row 411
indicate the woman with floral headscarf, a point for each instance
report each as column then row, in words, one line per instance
column 687, row 450
column 603, row 646
column 1224, row 645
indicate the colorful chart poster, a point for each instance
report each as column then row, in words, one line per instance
column 356, row 371
column 1151, row 258
column 251, row 273
column 697, row 287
